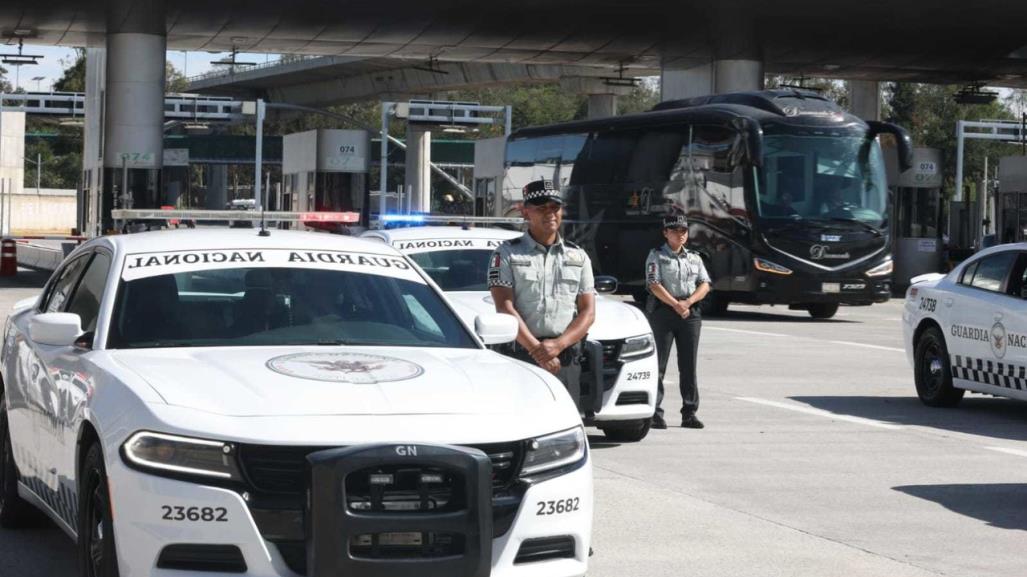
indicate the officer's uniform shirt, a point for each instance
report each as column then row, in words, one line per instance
column 680, row 273
column 546, row 282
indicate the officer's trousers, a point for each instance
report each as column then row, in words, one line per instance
column 570, row 366
column 668, row 328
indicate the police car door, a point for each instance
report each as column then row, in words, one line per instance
column 1013, row 323
column 977, row 336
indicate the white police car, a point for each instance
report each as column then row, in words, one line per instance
column 967, row 330
column 298, row 404
column 457, row 260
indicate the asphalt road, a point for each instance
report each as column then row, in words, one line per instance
column 817, row 460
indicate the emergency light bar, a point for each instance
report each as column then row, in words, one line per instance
column 254, row 215
column 445, row 219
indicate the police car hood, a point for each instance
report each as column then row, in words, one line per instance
column 278, row 381
column 614, row 319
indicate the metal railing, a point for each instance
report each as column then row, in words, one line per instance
column 72, row 104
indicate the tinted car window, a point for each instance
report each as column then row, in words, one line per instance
column 968, row 273
column 456, row 270
column 992, row 271
column 86, row 300
column 278, row 306
column 65, row 283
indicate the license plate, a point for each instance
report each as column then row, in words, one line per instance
column 854, row 286
column 831, row 287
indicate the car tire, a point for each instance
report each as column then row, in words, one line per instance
column 96, row 550
column 628, row 432
column 15, row 513
column 822, row 310
column 932, row 371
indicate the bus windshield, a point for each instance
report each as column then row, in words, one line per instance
column 822, row 175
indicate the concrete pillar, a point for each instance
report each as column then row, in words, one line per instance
column 12, row 166
column 134, row 121
column 865, row 99
column 418, row 169
column 92, row 141
column 716, row 77
column 602, row 105
column 217, row 186
column 602, row 95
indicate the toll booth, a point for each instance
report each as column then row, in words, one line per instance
column 489, row 154
column 326, row 170
column 918, row 216
column 1012, row 199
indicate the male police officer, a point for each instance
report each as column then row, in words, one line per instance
column 546, row 283
column 677, row 280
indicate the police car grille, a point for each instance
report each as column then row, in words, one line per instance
column 611, row 362
column 277, row 476
column 282, row 469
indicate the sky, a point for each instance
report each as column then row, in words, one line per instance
column 56, row 58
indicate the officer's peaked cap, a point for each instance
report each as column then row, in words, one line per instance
column 541, row 192
column 675, row 221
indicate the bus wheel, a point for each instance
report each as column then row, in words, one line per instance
column 823, row 310
column 932, row 373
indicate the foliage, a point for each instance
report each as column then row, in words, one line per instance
column 929, row 112
column 73, row 78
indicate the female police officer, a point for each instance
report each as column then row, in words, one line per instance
column 677, row 280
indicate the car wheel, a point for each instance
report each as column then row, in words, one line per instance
column 932, row 371
column 628, row 432
column 96, row 552
column 823, row 310
column 14, row 511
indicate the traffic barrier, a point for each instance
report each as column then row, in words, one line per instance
column 8, row 257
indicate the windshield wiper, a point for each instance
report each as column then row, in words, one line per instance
column 866, row 226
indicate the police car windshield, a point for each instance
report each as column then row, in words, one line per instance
column 456, row 270
column 281, row 306
column 829, row 177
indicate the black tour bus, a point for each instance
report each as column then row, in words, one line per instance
column 785, row 193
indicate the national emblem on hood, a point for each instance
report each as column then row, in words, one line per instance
column 354, row 368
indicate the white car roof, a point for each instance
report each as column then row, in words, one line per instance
column 244, row 238
column 434, row 232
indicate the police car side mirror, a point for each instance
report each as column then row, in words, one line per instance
column 606, row 284
column 495, row 328
column 55, row 329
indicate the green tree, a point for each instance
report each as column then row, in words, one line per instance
column 930, row 112
column 5, row 86
column 73, row 79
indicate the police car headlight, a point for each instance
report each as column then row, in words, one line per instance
column 171, row 455
column 771, row 267
column 552, row 452
column 883, row 269
column 637, row 348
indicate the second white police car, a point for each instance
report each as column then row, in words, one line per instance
column 216, row 402
column 967, row 330
column 457, row 260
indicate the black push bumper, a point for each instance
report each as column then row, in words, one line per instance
column 399, row 511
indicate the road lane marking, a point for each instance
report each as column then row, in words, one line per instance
column 1016, row 452
column 878, row 347
column 820, row 413
column 766, row 334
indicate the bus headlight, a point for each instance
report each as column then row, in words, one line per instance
column 171, row 455
column 771, row 267
column 549, row 453
column 637, row 348
column 883, row 269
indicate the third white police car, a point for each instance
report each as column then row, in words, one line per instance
column 212, row 402
column 457, row 260
column 967, row 330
